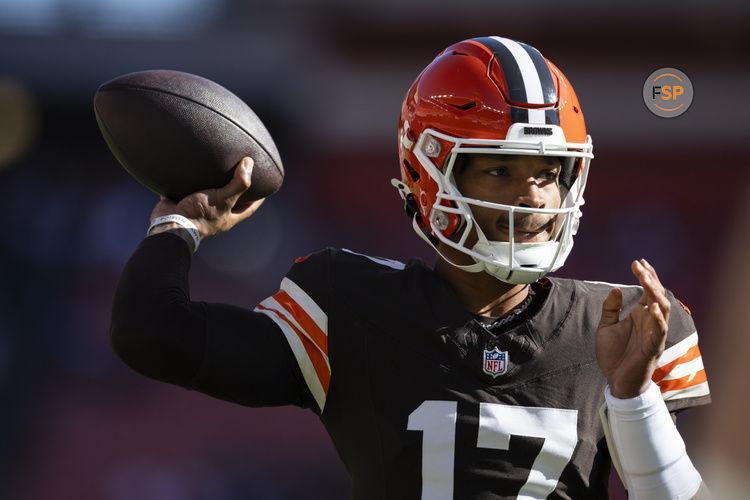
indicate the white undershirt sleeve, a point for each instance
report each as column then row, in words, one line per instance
column 652, row 455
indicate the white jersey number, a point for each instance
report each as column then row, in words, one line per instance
column 497, row 423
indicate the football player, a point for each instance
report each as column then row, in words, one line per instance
column 478, row 378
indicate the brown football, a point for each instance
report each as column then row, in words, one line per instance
column 178, row 133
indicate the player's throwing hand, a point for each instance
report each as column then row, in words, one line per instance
column 627, row 350
column 213, row 211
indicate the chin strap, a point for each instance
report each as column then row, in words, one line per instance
column 482, row 250
column 477, row 267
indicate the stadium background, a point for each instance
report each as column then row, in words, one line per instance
column 327, row 77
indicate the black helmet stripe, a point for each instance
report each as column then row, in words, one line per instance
column 552, row 117
column 519, row 115
column 527, row 77
column 509, row 65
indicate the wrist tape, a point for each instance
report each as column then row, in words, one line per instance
column 181, row 221
column 650, row 449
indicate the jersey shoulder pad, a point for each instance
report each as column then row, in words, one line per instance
column 589, row 296
column 342, row 262
column 306, row 298
column 355, row 274
column 679, row 373
column 348, row 257
column 630, row 293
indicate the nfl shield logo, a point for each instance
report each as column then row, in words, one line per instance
column 495, row 362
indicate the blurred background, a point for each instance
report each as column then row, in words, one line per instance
column 327, row 77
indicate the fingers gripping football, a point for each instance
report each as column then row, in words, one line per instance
column 214, row 211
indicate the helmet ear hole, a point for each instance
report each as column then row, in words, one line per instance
column 412, row 209
column 412, row 173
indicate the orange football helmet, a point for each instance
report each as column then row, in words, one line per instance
column 490, row 95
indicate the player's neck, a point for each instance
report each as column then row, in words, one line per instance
column 481, row 293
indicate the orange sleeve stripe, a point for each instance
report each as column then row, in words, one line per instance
column 304, row 319
column 316, row 357
column 663, row 371
column 683, row 383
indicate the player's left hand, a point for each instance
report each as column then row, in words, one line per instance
column 627, row 350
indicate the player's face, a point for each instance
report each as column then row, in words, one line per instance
column 517, row 180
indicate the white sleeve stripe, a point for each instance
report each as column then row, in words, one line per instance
column 689, row 368
column 271, row 303
column 307, row 303
column 678, row 350
column 689, row 392
column 303, row 360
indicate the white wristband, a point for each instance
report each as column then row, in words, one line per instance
column 181, row 221
column 651, row 451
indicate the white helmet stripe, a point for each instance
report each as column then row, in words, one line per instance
column 531, row 81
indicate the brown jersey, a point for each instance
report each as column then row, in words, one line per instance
column 423, row 400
